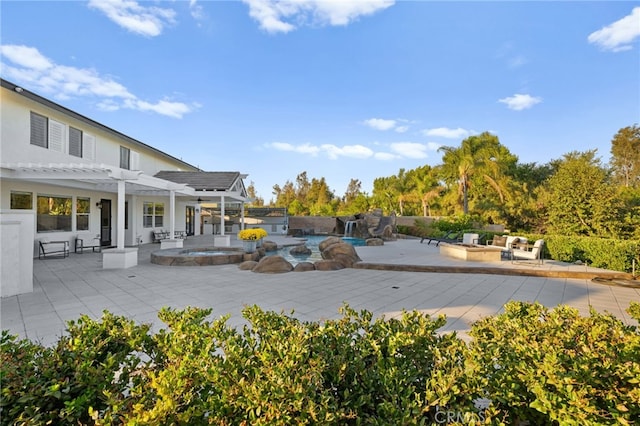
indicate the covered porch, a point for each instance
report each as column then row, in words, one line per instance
column 117, row 201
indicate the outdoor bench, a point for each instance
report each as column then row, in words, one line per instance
column 83, row 242
column 53, row 249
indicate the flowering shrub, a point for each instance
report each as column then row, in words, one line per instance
column 252, row 234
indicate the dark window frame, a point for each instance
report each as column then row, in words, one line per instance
column 39, row 130
column 83, row 216
column 18, row 203
column 75, row 142
column 58, row 222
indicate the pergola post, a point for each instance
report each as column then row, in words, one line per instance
column 172, row 214
column 120, row 234
column 241, row 214
column 222, row 215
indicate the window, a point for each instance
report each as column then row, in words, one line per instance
column 152, row 215
column 54, row 213
column 83, row 208
column 39, row 130
column 125, row 156
column 21, row 200
column 75, row 142
column 159, row 214
column 147, row 215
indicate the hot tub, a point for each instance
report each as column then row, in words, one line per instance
column 198, row 256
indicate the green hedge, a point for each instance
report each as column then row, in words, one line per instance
column 528, row 363
column 612, row 254
column 617, row 255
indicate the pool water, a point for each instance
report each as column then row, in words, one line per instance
column 206, row 253
column 312, row 242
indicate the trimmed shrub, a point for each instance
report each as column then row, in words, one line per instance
column 528, row 363
column 555, row 367
column 615, row 255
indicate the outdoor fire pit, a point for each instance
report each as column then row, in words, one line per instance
column 471, row 252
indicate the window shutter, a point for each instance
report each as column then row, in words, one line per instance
column 39, row 130
column 134, row 160
column 56, row 136
column 89, row 147
column 75, row 142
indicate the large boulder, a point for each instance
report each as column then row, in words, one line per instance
column 304, row 267
column 388, row 234
column 329, row 241
column 269, row 245
column 374, row 242
column 340, row 252
column 273, row 265
column 301, row 250
column 247, row 265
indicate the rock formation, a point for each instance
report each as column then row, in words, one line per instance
column 273, row 265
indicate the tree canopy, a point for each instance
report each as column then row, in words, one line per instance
column 574, row 195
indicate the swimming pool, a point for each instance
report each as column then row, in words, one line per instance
column 312, row 242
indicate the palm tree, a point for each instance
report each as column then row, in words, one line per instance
column 480, row 155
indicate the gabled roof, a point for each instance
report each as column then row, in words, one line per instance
column 203, row 181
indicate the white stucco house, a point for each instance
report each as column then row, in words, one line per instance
column 64, row 176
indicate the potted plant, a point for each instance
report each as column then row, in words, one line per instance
column 251, row 237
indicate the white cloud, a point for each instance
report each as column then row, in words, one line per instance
column 302, row 149
column 410, row 149
column 24, row 56
column 351, row 151
column 618, row 36
column 518, row 102
column 164, row 107
column 385, row 124
column 380, row 123
column 144, row 20
column 275, row 16
column 29, row 67
column 445, row 132
column 398, row 150
column 197, row 12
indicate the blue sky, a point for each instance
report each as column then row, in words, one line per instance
column 338, row 89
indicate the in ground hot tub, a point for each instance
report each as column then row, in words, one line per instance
column 471, row 252
column 198, row 256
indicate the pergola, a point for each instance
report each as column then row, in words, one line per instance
column 111, row 179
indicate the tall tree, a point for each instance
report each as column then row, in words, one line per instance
column 256, row 201
column 625, row 156
column 479, row 156
column 353, row 190
column 302, row 187
column 284, row 195
column 384, row 193
column 580, row 198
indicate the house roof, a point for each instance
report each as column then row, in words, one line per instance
column 46, row 102
column 203, row 181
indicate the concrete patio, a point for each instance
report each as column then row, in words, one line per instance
column 66, row 288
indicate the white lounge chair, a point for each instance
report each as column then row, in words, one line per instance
column 533, row 253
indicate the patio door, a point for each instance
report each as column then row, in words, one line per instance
column 105, row 223
column 190, row 218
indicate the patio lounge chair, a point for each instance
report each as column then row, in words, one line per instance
column 534, row 252
column 429, row 239
column 450, row 237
